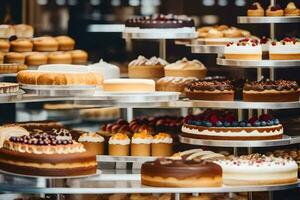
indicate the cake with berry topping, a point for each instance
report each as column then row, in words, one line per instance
column 213, row 90
column 245, row 49
column 255, row 10
column 221, row 125
column 286, row 49
column 274, row 11
column 271, row 91
column 256, row 169
column 51, row 153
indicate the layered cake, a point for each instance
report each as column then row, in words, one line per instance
column 146, row 68
column 271, row 91
column 286, row 49
column 210, row 90
column 173, row 84
column 6, row 88
column 165, row 172
column 186, row 68
column 291, row 10
column 46, row 154
column 245, row 49
column 255, row 10
column 274, row 11
column 217, row 125
column 128, row 85
column 258, row 169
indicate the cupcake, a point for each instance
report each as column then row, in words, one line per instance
column 118, row 145
column 186, row 68
column 162, row 145
column 92, row 142
column 65, row 43
column 141, row 144
column 79, row 57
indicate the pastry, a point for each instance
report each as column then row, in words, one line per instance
column 141, row 144
column 13, row 57
column 21, row 45
column 291, row 10
column 101, row 113
column 173, row 84
column 166, row 172
column 210, row 90
column 271, row 91
column 255, row 10
column 118, row 145
column 6, row 31
column 23, row 31
column 186, row 68
column 108, row 70
column 246, row 49
column 45, row 43
column 256, row 169
column 213, row 125
column 4, row 45
column 162, row 145
column 79, row 57
column 6, row 88
column 214, row 33
column 286, row 49
column 59, row 57
column 46, row 154
column 93, row 143
column 274, row 11
column 35, row 59
column 146, row 68
column 128, row 85
column 65, row 43
column 233, row 33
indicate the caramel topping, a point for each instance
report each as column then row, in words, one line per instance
column 120, row 136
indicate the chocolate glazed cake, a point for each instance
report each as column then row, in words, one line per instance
column 46, row 155
column 181, row 173
column 271, row 91
column 210, row 90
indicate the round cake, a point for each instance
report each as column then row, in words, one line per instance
column 258, row 169
column 129, row 85
column 218, row 125
column 46, row 154
column 166, row 172
column 286, row 49
column 173, row 84
column 245, row 49
column 210, row 90
column 271, row 91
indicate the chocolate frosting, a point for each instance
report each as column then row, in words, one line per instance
column 210, row 85
column 278, row 85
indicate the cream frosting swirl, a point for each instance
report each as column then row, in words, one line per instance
column 185, row 64
column 91, row 137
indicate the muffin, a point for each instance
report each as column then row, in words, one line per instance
column 118, row 145
column 141, row 144
column 13, row 57
column 186, row 68
column 172, row 84
column 45, row 43
column 79, row 57
column 21, row 45
column 147, row 68
column 23, row 31
column 35, row 59
column 65, row 43
column 162, row 145
column 4, row 45
column 59, row 57
column 93, row 143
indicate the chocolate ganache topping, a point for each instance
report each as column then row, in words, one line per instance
column 182, row 168
column 209, row 85
column 278, row 85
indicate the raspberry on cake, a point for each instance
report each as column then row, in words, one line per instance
column 255, row 10
column 245, row 49
column 221, row 125
column 286, row 49
column 271, row 91
column 210, row 90
column 274, row 11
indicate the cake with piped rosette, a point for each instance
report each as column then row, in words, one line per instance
column 46, row 154
column 222, row 125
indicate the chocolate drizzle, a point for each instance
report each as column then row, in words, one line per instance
column 209, row 85
column 278, row 85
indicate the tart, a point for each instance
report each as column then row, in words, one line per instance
column 162, row 145
column 173, row 84
column 216, row 125
column 129, row 85
column 274, row 11
column 271, row 91
column 4, row 45
column 186, row 68
column 35, row 59
column 59, row 57
column 291, row 10
column 45, row 43
column 118, row 145
column 166, row 172
column 23, row 30
column 13, row 57
column 21, row 45
column 79, row 57
column 6, row 88
column 255, row 10
column 65, row 43
column 93, row 143
column 142, row 67
column 210, row 90
column 245, row 49
column 141, row 144
column 286, row 49
column 256, row 169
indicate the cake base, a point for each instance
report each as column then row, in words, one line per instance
column 161, row 149
column 271, row 96
column 205, row 137
column 96, row 148
column 235, row 182
column 212, row 96
column 154, row 72
column 140, row 149
column 118, row 150
column 295, row 56
column 243, row 56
